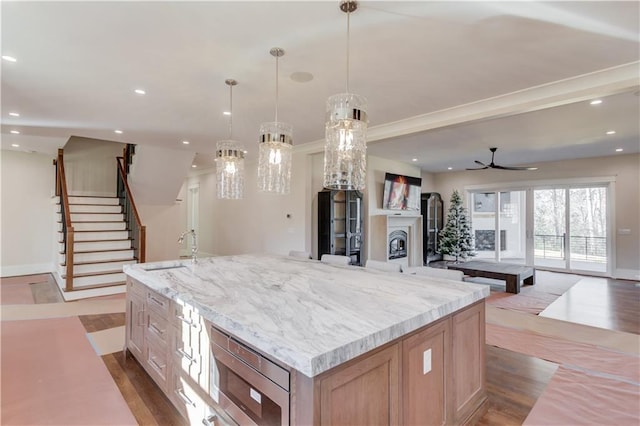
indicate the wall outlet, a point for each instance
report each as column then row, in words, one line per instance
column 426, row 361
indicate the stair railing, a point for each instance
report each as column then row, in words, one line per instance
column 67, row 227
column 137, row 231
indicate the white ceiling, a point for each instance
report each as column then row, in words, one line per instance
column 79, row 63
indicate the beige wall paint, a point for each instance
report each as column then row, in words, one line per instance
column 256, row 224
column 625, row 169
column 90, row 166
column 28, row 219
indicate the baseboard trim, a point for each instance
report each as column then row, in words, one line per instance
column 627, row 274
column 17, row 270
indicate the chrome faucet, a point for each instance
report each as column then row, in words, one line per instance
column 194, row 246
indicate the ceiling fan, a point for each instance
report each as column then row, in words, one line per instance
column 492, row 165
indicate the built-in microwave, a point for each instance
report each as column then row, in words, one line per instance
column 248, row 388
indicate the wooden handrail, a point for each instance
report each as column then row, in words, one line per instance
column 141, row 228
column 68, row 233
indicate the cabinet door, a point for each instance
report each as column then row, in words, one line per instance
column 364, row 393
column 135, row 325
column 426, row 368
column 468, row 336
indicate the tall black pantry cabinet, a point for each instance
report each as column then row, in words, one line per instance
column 432, row 223
column 340, row 218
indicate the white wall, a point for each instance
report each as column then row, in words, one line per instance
column 27, row 213
column 626, row 170
column 90, row 166
column 257, row 223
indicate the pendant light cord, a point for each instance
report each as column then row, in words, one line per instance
column 277, row 57
column 348, row 39
column 230, row 112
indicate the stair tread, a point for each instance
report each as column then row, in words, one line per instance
column 98, row 251
column 95, row 221
column 95, row 274
column 97, row 262
column 92, row 196
column 100, row 230
column 92, row 286
column 101, row 241
column 92, row 213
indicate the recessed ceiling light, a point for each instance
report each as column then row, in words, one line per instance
column 301, row 76
column 449, row 168
column 611, row 132
column 140, row 91
column 226, row 113
column 118, row 132
column 185, row 142
column 245, row 151
column 596, row 102
column 15, row 145
column 619, row 149
column 414, row 159
column 15, row 132
column 9, row 58
column 194, row 166
column 14, row 114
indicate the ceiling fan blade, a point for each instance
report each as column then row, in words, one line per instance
column 481, row 163
column 514, row 168
column 480, row 168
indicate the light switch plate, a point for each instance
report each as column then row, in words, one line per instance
column 624, row 231
column 426, row 361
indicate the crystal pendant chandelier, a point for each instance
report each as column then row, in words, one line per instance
column 276, row 145
column 230, row 160
column 345, row 148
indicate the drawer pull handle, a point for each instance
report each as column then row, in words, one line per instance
column 185, row 355
column 211, row 420
column 141, row 317
column 153, row 327
column 185, row 398
column 186, row 321
column 156, row 365
column 158, row 302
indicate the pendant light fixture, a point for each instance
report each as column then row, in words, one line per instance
column 230, row 159
column 345, row 148
column 276, row 146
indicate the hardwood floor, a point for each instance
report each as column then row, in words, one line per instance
column 599, row 302
column 101, row 322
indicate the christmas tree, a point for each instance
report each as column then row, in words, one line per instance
column 455, row 238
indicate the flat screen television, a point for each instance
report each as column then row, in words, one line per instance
column 401, row 192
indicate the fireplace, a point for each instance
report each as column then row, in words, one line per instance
column 397, row 244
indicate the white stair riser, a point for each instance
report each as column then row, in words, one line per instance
column 93, row 236
column 79, row 282
column 99, row 217
column 100, row 256
column 93, row 200
column 98, row 267
column 97, row 226
column 98, row 245
column 81, row 208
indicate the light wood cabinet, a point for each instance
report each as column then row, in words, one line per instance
column 426, row 375
column 135, row 322
column 468, row 354
column 365, row 393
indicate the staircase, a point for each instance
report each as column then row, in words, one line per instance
column 100, row 239
column 102, row 244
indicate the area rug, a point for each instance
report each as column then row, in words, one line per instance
column 107, row 341
column 51, row 375
column 532, row 302
column 575, row 397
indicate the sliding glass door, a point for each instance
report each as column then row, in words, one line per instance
column 558, row 227
column 571, row 229
column 504, row 211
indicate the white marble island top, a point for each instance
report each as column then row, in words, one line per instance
column 305, row 314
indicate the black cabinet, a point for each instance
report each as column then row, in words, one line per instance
column 432, row 220
column 340, row 224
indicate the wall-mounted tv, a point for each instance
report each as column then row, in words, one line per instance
column 401, row 192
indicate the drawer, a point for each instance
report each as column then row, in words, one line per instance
column 185, row 398
column 157, row 364
column 157, row 328
column 158, row 303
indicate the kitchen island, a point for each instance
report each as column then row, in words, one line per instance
column 278, row 340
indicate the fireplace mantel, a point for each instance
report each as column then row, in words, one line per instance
column 384, row 225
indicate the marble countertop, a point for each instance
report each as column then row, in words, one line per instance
column 305, row 314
